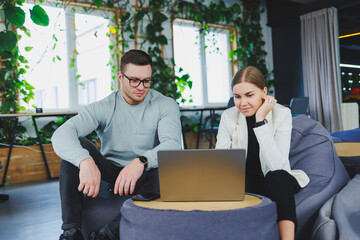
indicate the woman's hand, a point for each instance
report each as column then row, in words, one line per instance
column 268, row 104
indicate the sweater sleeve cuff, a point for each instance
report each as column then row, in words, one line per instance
column 78, row 159
column 152, row 163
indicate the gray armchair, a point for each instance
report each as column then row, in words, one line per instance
column 312, row 150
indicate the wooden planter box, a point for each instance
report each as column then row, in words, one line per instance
column 27, row 165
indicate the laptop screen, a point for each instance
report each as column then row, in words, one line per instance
column 202, row 174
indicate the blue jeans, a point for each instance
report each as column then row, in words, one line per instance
column 72, row 199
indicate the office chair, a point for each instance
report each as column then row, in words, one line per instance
column 231, row 103
column 299, row 105
column 210, row 128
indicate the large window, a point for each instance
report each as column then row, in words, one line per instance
column 206, row 59
column 68, row 62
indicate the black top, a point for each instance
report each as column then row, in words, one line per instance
column 254, row 176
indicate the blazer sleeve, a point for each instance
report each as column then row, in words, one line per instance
column 274, row 140
column 223, row 139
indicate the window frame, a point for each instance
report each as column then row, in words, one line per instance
column 233, row 64
column 70, row 25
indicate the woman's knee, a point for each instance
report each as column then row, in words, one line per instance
column 276, row 176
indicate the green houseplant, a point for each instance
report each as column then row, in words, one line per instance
column 12, row 84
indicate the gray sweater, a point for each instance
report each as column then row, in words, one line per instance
column 126, row 131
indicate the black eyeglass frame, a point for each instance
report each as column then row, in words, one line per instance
column 140, row 81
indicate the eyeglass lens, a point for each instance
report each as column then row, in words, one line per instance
column 137, row 82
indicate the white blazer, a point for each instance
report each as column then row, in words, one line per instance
column 274, row 139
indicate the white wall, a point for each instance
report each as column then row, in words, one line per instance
column 350, row 115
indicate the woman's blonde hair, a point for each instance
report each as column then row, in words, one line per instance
column 251, row 75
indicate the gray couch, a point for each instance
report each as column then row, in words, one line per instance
column 313, row 151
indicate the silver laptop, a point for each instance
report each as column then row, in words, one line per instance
column 202, row 175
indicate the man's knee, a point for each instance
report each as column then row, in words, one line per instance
column 67, row 169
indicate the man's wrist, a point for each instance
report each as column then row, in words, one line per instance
column 143, row 160
column 84, row 161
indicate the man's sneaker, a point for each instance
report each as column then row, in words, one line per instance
column 71, row 234
column 100, row 235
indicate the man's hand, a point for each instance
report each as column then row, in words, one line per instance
column 90, row 177
column 128, row 177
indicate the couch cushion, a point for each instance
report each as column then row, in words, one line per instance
column 352, row 135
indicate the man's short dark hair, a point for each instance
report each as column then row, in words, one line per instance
column 137, row 57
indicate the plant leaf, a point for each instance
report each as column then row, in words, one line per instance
column 98, row 3
column 39, row 16
column 15, row 15
column 140, row 14
column 8, row 40
column 28, row 49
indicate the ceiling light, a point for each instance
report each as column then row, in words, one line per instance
column 349, row 65
column 349, row 35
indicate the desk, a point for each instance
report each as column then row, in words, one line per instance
column 212, row 121
column 13, row 133
column 253, row 218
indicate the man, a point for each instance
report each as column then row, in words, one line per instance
column 132, row 124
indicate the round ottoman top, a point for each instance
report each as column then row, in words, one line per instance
column 249, row 201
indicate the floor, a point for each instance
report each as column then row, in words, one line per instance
column 32, row 212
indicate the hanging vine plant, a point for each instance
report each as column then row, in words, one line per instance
column 11, row 81
column 164, row 78
column 245, row 17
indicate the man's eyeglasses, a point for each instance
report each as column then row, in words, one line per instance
column 136, row 82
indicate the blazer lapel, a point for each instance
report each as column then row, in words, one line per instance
column 240, row 138
column 240, row 135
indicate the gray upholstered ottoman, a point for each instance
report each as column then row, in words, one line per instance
column 255, row 222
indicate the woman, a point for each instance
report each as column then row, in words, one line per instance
column 261, row 126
